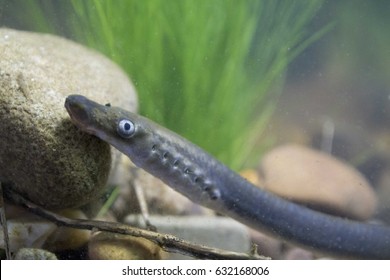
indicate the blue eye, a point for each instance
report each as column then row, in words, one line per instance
column 126, row 128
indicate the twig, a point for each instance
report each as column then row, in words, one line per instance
column 3, row 220
column 143, row 205
column 167, row 242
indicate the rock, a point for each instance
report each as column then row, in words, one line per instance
column 15, row 212
column 252, row 176
column 34, row 254
column 318, row 180
column 26, row 232
column 111, row 246
column 218, row 232
column 298, row 254
column 66, row 238
column 43, row 155
column 266, row 245
column 384, row 188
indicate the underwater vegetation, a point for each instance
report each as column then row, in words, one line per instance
column 360, row 40
column 209, row 70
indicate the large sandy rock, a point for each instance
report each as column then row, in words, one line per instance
column 42, row 153
column 318, row 180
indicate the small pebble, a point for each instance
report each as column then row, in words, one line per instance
column 34, row 254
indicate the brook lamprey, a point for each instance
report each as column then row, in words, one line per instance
column 206, row 181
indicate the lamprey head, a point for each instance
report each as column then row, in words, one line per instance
column 124, row 130
column 161, row 152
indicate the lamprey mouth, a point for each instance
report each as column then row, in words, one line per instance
column 77, row 107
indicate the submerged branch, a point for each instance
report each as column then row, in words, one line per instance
column 167, row 242
column 3, row 220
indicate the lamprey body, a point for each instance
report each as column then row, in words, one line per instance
column 200, row 177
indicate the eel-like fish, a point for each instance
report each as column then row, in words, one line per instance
column 206, row 181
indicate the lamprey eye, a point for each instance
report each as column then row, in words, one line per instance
column 126, row 128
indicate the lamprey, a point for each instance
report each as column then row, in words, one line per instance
column 200, row 177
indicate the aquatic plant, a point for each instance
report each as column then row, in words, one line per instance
column 209, row 70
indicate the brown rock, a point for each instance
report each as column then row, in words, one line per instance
column 66, row 238
column 266, row 245
column 252, row 176
column 318, row 180
column 110, row 246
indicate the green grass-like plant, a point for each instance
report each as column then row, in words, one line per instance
column 207, row 69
